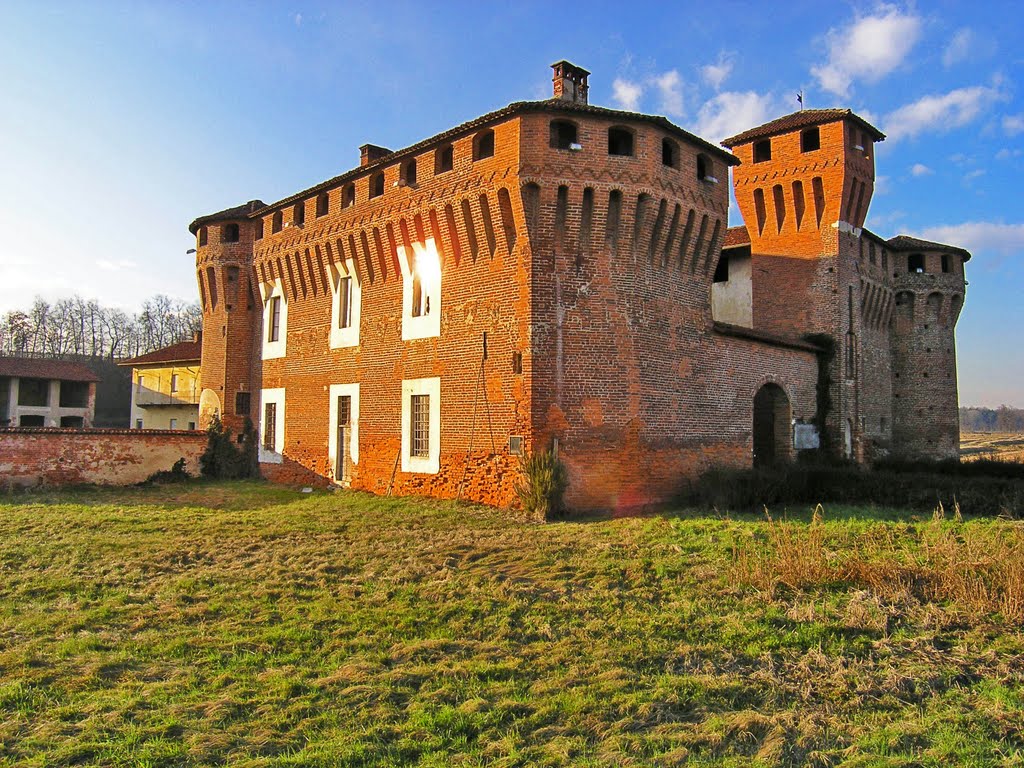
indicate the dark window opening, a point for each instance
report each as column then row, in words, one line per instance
column 762, row 151
column 72, row 422
column 722, row 270
column 31, row 421
column 945, row 263
column 274, row 333
column 669, row 153
column 419, row 443
column 299, row 214
column 74, row 394
column 348, row 195
column 243, row 401
column 34, row 393
column 377, row 184
column 229, row 234
column 703, row 168
column 483, row 145
column 275, row 224
column 517, row 362
column 259, row 229
column 620, row 142
column 409, row 172
column 915, row 263
column 270, row 427
column 323, row 202
column 563, row 134
column 444, row 159
column 202, row 236
column 810, row 140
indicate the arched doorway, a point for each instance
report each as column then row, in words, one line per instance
column 772, row 426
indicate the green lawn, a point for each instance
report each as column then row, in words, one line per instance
column 250, row 625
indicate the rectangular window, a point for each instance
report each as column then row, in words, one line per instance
column 242, row 402
column 343, row 461
column 34, row 393
column 269, row 426
column 138, row 423
column 275, row 319
column 174, row 382
column 420, row 436
column 345, row 302
column 139, row 385
column 174, row 424
column 420, row 300
column 192, row 425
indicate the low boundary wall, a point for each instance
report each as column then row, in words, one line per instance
column 31, row 457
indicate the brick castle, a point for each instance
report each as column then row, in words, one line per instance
column 560, row 274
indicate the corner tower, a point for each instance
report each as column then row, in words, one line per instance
column 224, row 271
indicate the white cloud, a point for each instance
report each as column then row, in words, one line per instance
column 733, row 112
column 920, row 169
column 1013, row 124
column 716, row 74
column 979, row 236
column 977, row 173
column 669, row 86
column 940, row 112
column 868, row 49
column 959, row 48
column 627, row 94
column 1006, row 153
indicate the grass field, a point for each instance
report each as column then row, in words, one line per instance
column 1005, row 446
column 251, row 625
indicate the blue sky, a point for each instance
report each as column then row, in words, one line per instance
column 121, row 122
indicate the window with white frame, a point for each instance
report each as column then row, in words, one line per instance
column 275, row 320
column 421, row 425
column 421, row 291
column 271, row 425
column 343, row 435
column 346, row 302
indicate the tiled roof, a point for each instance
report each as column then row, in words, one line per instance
column 802, row 119
column 182, row 352
column 908, row 243
column 518, row 107
column 238, row 212
column 38, row 368
column 736, row 236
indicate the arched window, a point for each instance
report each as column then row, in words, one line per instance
column 202, row 236
column 669, row 153
column 620, row 142
column 444, row 159
column 299, row 213
column 408, row 174
column 483, row 145
column 275, row 223
column 348, row 195
column 915, row 262
column 377, row 184
column 563, row 134
column 322, row 204
column 229, row 234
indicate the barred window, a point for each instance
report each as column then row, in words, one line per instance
column 420, row 442
column 242, row 400
column 269, row 426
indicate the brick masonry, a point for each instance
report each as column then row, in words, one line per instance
column 33, row 457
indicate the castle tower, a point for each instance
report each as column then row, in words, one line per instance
column 231, row 305
column 928, row 280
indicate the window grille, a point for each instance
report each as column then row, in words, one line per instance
column 270, row 426
column 420, row 442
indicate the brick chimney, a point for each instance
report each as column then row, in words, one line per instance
column 570, row 82
column 371, row 153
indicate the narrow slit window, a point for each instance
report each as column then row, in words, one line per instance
column 274, row 333
column 345, row 303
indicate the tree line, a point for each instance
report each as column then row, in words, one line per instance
column 1001, row 419
column 77, row 326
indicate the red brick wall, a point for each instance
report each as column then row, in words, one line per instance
column 30, row 457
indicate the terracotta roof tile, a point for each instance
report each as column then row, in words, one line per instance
column 40, row 368
column 908, row 243
column 736, row 236
column 802, row 119
column 182, row 352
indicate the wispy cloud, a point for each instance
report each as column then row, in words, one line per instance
column 940, row 112
column 732, row 112
column 716, row 74
column 1013, row 124
column 867, row 49
column 920, row 169
column 979, row 236
column 670, row 91
column 1006, row 153
column 959, row 48
column 627, row 93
